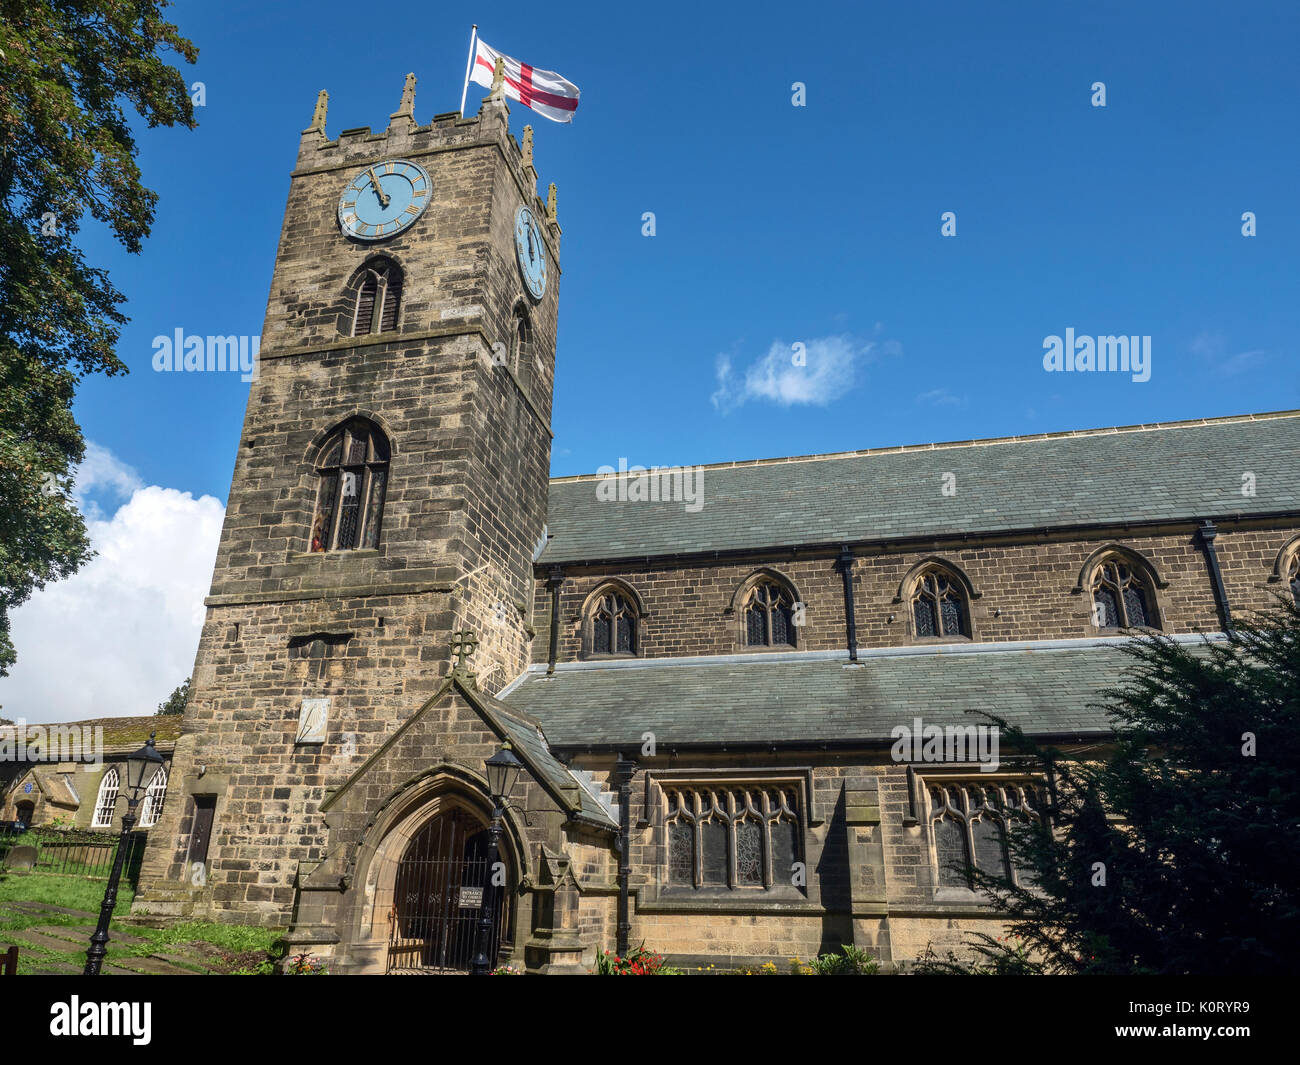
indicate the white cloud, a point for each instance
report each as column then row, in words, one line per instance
column 115, row 638
column 811, row 373
column 1214, row 348
column 941, row 397
column 102, row 473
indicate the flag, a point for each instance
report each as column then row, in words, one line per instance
column 543, row 90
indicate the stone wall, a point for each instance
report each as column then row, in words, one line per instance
column 1026, row 590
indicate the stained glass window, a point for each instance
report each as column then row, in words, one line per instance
column 379, row 295
column 749, row 853
column 769, row 616
column 973, row 822
column 925, row 621
column 950, row 843
column 744, row 837
column 1293, row 576
column 613, row 625
column 681, row 854
column 353, row 480
column 938, row 606
column 1122, row 597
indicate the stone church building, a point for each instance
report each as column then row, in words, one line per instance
column 705, row 697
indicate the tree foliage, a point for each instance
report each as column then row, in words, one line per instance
column 1175, row 850
column 67, row 71
column 175, row 703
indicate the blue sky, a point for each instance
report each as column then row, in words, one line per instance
column 781, row 224
column 775, row 225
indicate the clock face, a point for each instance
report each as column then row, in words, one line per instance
column 384, row 199
column 532, row 252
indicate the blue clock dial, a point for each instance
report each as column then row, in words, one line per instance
column 384, row 199
column 532, row 251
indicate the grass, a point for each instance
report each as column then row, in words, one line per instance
column 203, row 946
column 57, row 890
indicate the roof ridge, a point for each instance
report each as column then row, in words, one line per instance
column 896, row 449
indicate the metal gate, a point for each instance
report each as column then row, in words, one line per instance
column 443, row 882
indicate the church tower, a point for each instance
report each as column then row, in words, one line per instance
column 389, row 490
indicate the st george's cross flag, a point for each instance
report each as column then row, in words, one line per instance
column 543, row 90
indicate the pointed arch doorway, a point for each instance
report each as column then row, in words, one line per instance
column 442, row 882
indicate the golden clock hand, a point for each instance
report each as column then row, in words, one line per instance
column 379, row 189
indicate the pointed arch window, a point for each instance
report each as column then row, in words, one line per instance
column 154, row 797
column 106, row 801
column 353, row 472
column 769, row 615
column 521, row 347
column 378, row 298
column 939, row 607
column 731, row 837
column 974, row 824
column 1122, row 596
column 612, row 624
column 1293, row 576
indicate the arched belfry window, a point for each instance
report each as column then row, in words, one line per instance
column 353, row 471
column 939, row 606
column 612, row 623
column 521, row 346
column 1122, row 595
column 769, row 614
column 378, row 296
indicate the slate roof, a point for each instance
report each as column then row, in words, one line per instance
column 1166, row 472
column 531, row 747
column 808, row 699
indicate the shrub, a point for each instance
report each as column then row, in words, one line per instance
column 851, row 961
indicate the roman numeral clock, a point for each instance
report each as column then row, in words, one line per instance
column 384, row 199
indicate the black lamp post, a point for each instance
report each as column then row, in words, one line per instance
column 502, row 772
column 144, row 761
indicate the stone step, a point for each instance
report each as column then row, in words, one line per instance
column 153, row 966
column 45, row 907
column 81, row 933
column 37, row 939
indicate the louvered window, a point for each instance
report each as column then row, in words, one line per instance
column 379, row 297
column 353, row 473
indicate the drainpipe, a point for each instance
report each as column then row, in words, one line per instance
column 553, row 583
column 624, row 771
column 846, row 571
column 1207, row 534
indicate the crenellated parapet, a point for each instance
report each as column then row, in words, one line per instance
column 405, row 137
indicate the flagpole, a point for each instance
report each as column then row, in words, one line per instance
column 469, row 65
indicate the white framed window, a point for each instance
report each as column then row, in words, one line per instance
column 154, row 797
column 106, row 803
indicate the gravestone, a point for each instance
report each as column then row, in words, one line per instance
column 21, row 858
